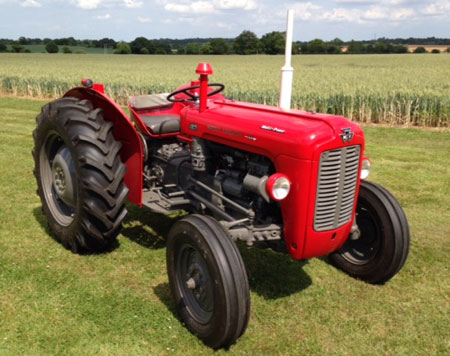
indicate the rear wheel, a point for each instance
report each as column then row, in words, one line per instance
column 79, row 175
column 208, row 280
column 383, row 245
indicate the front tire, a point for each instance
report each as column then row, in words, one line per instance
column 382, row 248
column 79, row 175
column 208, row 280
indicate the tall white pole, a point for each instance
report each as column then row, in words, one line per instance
column 287, row 72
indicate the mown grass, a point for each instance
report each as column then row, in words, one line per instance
column 53, row 302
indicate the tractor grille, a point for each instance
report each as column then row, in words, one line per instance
column 338, row 174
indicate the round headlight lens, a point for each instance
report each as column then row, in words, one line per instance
column 278, row 186
column 365, row 170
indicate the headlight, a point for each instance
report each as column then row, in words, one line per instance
column 365, row 170
column 278, row 186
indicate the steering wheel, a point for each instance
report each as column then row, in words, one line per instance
column 192, row 97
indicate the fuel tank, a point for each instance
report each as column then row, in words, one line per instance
column 296, row 142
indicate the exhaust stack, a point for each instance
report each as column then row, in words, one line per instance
column 287, row 72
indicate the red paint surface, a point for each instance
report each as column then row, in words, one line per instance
column 293, row 140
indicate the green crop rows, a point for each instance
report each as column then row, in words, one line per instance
column 393, row 89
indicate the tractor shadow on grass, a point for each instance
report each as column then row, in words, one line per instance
column 271, row 275
column 146, row 228
column 42, row 220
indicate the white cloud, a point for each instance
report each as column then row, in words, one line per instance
column 133, row 3
column 235, row 4
column 402, row 14
column 373, row 2
column 103, row 17
column 341, row 15
column 144, row 19
column 30, row 3
column 303, row 10
column 438, row 8
column 224, row 25
column 375, row 13
column 87, row 4
column 192, row 7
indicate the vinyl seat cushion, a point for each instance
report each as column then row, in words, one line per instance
column 162, row 123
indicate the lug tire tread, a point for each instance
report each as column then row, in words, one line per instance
column 100, row 173
column 394, row 224
column 232, row 274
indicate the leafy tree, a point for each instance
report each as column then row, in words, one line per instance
column 160, row 47
column 420, row 50
column 448, row 50
column 333, row 48
column 17, row 48
column 381, row 47
column 51, row 47
column 138, row 43
column 246, row 43
column 160, row 50
column 355, row 47
column 192, row 48
column 400, row 49
column 144, row 51
column 66, row 49
column 435, row 50
column 3, row 47
column 296, row 48
column 273, row 42
column 317, row 46
column 219, row 46
column 206, row 49
column 123, row 48
column 24, row 41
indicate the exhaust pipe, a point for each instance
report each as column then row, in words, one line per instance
column 287, row 72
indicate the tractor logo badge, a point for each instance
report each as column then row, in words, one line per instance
column 347, row 135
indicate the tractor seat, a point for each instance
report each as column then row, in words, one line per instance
column 162, row 123
column 149, row 101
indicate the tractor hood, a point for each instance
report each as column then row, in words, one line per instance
column 270, row 131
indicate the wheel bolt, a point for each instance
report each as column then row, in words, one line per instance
column 190, row 283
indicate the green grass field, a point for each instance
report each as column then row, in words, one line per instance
column 53, row 302
column 405, row 90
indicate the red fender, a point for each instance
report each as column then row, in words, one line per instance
column 124, row 132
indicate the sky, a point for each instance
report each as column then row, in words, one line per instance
column 128, row 19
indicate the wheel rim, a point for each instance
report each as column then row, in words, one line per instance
column 366, row 247
column 58, row 178
column 195, row 283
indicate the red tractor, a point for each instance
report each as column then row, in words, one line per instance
column 290, row 179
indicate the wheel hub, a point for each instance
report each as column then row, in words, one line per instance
column 63, row 174
column 196, row 283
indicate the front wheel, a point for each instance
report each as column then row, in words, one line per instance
column 382, row 247
column 208, row 280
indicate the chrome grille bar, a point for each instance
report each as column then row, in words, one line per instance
column 335, row 198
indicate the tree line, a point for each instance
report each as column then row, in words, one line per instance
column 245, row 43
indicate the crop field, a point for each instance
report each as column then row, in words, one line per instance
column 53, row 302
column 406, row 90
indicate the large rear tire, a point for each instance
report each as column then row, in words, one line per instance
column 382, row 248
column 208, row 280
column 79, row 175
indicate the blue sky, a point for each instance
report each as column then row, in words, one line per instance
column 128, row 19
